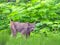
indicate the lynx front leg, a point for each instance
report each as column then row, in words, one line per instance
column 27, row 34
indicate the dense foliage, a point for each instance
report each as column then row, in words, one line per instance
column 46, row 14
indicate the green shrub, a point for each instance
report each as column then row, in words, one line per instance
column 43, row 12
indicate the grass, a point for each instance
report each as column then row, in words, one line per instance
column 52, row 38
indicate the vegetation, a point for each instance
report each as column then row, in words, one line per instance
column 46, row 14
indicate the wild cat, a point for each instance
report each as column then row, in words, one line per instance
column 23, row 28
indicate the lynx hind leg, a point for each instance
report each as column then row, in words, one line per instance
column 14, row 33
column 13, row 30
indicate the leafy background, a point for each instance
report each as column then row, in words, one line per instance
column 46, row 14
